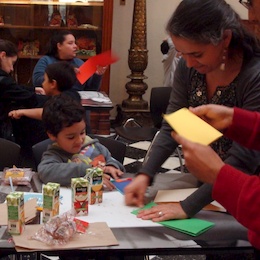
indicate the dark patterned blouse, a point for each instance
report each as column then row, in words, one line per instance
column 223, row 96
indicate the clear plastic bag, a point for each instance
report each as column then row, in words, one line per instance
column 58, row 230
column 20, row 176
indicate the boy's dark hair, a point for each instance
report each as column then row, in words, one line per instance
column 64, row 74
column 165, row 47
column 61, row 111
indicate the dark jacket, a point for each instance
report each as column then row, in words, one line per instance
column 15, row 96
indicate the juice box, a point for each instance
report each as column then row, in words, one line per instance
column 80, row 195
column 51, row 201
column 95, row 177
column 15, row 208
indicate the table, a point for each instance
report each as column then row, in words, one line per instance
column 99, row 113
column 227, row 236
column 35, row 186
column 6, row 246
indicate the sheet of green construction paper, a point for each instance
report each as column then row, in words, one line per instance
column 191, row 226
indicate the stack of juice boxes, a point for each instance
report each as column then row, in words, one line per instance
column 95, row 178
column 80, row 195
column 51, row 201
column 15, row 208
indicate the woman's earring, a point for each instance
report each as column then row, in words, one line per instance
column 223, row 63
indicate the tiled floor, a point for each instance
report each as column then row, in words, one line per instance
column 136, row 152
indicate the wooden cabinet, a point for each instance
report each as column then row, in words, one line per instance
column 253, row 21
column 30, row 25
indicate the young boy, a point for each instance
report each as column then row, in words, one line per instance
column 72, row 151
column 59, row 78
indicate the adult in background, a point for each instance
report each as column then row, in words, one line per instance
column 63, row 47
column 59, row 78
column 170, row 61
column 27, row 131
column 219, row 65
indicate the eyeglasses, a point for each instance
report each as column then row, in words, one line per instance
column 247, row 4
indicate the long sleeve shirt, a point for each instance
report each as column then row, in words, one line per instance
column 93, row 83
column 189, row 89
column 14, row 96
column 60, row 166
column 239, row 193
column 170, row 61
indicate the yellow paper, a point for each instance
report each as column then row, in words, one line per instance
column 192, row 127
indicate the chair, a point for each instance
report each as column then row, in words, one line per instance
column 133, row 131
column 116, row 148
column 38, row 149
column 9, row 153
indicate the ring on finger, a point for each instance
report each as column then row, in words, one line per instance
column 160, row 214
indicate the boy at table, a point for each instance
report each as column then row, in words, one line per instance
column 72, row 151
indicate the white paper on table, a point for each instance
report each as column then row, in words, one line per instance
column 95, row 96
column 112, row 210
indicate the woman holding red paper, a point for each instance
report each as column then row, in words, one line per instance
column 63, row 47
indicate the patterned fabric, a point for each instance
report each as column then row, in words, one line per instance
column 224, row 95
column 86, row 156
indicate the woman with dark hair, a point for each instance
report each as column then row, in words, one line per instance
column 219, row 65
column 59, row 78
column 62, row 47
column 14, row 96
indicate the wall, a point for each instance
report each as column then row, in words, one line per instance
column 158, row 13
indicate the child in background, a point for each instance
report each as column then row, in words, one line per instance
column 62, row 47
column 72, row 151
column 59, row 78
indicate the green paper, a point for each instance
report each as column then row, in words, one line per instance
column 191, row 226
column 147, row 206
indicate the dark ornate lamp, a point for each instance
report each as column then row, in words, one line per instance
column 137, row 60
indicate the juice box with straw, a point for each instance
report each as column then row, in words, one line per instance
column 51, row 201
column 95, row 177
column 15, row 208
column 80, row 195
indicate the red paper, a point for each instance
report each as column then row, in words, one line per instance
column 81, row 226
column 87, row 69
